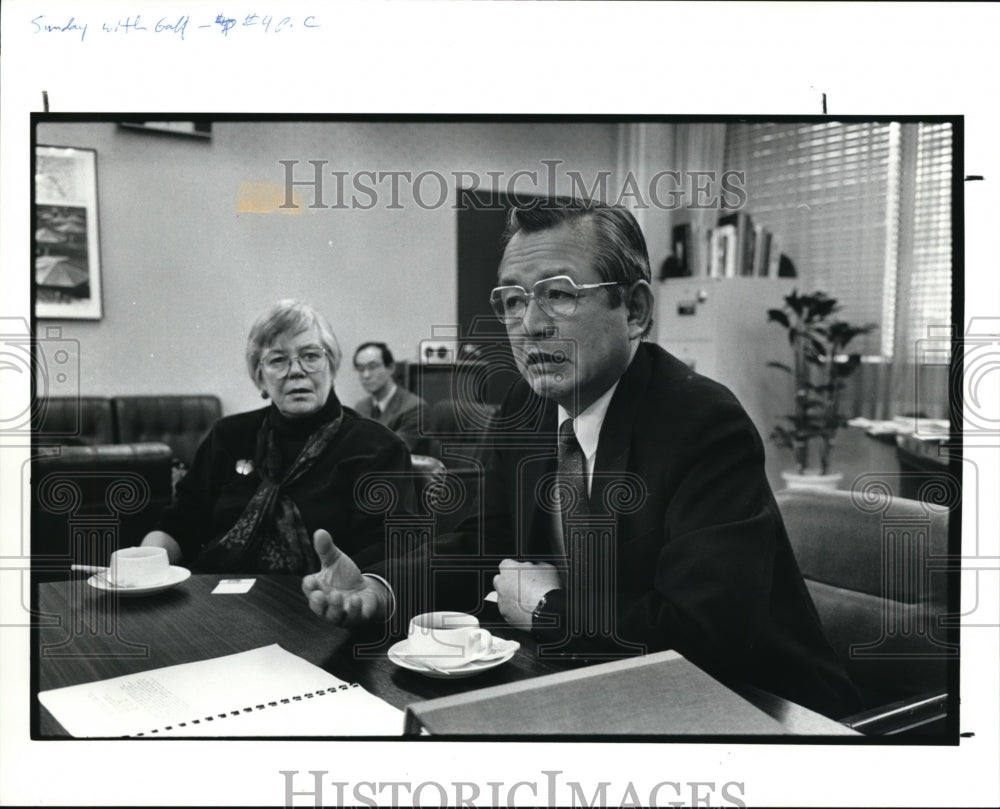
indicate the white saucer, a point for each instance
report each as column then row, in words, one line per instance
column 503, row 650
column 175, row 575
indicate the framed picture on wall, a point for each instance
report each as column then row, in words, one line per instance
column 66, row 247
column 194, row 129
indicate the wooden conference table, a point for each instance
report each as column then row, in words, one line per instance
column 84, row 635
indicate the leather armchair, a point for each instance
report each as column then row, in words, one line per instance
column 461, row 424
column 875, row 568
column 87, row 502
column 459, row 433
column 180, row 422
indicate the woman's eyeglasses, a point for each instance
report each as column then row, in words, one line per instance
column 278, row 365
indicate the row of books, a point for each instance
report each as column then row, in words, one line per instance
column 738, row 248
column 734, row 248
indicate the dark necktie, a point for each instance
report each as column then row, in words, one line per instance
column 574, row 512
column 571, row 470
column 588, row 542
column 376, row 411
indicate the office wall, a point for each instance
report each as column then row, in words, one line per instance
column 189, row 258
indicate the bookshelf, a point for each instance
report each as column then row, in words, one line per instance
column 735, row 247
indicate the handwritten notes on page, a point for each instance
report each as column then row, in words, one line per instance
column 94, row 26
column 265, row 692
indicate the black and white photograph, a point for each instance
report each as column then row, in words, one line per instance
column 375, row 450
column 752, row 443
column 67, row 257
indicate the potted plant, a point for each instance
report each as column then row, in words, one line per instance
column 819, row 369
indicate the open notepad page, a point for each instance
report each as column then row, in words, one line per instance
column 261, row 692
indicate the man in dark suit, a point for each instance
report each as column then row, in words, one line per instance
column 397, row 408
column 626, row 509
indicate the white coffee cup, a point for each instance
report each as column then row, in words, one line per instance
column 138, row 567
column 447, row 640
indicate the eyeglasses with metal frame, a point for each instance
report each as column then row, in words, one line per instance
column 558, row 297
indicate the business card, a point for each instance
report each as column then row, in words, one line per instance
column 233, row 586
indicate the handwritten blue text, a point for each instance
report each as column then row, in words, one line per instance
column 180, row 26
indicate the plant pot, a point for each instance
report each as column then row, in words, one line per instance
column 812, row 480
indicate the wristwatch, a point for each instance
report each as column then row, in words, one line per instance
column 537, row 612
column 542, row 618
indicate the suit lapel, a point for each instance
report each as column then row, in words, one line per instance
column 393, row 406
column 536, row 524
column 616, row 432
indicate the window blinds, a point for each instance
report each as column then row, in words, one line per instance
column 863, row 210
column 827, row 193
column 928, row 302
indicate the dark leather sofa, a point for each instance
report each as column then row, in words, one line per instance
column 181, row 422
column 75, row 421
column 103, row 469
column 89, row 501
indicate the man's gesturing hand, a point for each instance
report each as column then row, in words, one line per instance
column 338, row 592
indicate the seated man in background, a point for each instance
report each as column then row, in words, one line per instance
column 625, row 506
column 269, row 486
column 395, row 407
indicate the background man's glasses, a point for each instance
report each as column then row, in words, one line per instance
column 278, row 365
column 557, row 297
column 370, row 367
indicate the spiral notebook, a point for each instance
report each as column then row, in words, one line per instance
column 265, row 692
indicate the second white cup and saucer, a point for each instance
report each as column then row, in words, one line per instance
column 450, row 645
column 138, row 571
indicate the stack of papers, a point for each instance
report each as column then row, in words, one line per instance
column 924, row 429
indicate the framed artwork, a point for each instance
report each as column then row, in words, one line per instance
column 66, row 248
column 194, row 129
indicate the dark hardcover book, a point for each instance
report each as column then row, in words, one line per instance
column 659, row 694
column 725, row 252
column 743, row 225
column 680, row 245
column 761, row 251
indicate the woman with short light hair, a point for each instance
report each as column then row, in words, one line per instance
column 268, row 487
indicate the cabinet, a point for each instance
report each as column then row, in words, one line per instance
column 719, row 327
column 470, row 381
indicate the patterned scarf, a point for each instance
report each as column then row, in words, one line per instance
column 270, row 536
